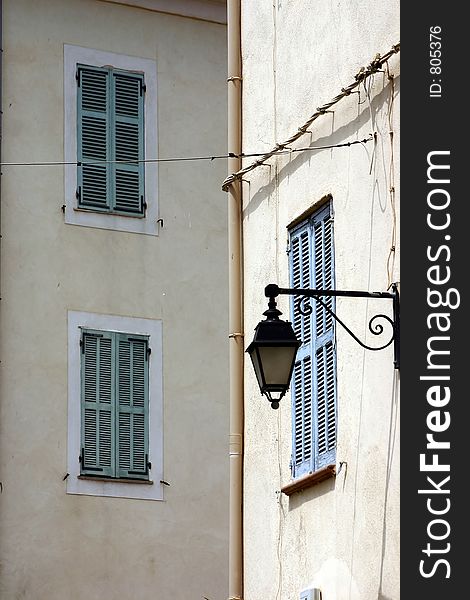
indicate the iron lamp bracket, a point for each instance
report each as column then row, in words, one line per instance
column 376, row 326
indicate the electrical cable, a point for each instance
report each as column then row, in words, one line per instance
column 176, row 159
column 363, row 74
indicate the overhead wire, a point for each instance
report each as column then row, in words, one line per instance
column 360, row 77
column 262, row 157
column 177, row 159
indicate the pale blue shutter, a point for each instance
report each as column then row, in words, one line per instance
column 132, row 406
column 128, row 142
column 97, row 455
column 302, row 406
column 314, row 380
column 93, row 138
column 324, row 342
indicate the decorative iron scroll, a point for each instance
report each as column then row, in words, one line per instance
column 375, row 329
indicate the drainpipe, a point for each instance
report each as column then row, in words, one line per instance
column 1, row 118
column 236, row 340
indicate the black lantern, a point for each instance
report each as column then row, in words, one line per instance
column 274, row 346
column 273, row 352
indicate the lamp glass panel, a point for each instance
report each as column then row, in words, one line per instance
column 277, row 363
column 257, row 367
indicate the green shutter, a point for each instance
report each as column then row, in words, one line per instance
column 114, row 405
column 97, row 405
column 132, row 406
column 110, row 119
column 128, row 142
column 93, row 138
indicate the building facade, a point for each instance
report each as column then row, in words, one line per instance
column 114, row 423
column 321, row 474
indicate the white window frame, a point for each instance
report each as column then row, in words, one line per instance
column 74, row 55
column 100, row 487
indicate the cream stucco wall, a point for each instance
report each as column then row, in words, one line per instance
column 341, row 535
column 55, row 545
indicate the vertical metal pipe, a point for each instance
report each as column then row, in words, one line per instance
column 236, row 340
column 1, row 125
column 396, row 325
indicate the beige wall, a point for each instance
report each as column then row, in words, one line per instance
column 341, row 535
column 55, row 545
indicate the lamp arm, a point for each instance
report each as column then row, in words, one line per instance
column 376, row 329
column 272, row 291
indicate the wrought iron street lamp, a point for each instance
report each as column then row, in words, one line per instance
column 274, row 346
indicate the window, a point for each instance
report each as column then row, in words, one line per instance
column 110, row 129
column 311, row 265
column 110, row 141
column 115, row 406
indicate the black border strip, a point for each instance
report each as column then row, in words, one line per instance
column 433, row 265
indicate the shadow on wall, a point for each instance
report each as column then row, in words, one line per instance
column 340, row 135
column 308, row 494
column 394, row 419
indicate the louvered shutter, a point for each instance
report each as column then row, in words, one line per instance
column 132, row 406
column 110, row 140
column 128, row 142
column 324, row 349
column 301, row 388
column 93, row 138
column 314, row 381
column 97, row 404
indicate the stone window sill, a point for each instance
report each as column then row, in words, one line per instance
column 115, row 480
column 309, row 480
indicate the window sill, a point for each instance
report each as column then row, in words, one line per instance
column 309, row 480
column 115, row 480
column 82, row 209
